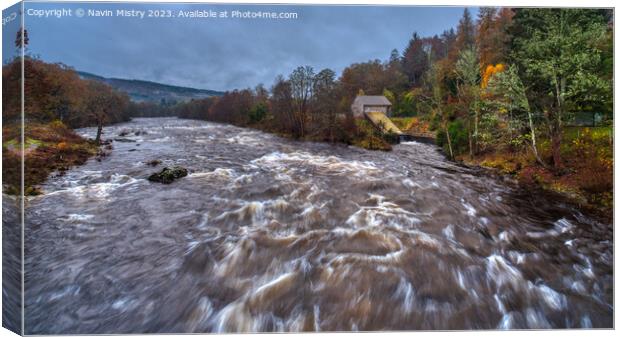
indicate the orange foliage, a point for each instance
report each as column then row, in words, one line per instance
column 490, row 71
column 419, row 126
column 62, row 146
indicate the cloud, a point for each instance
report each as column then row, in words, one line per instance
column 224, row 54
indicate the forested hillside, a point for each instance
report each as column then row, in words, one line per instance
column 510, row 89
column 147, row 91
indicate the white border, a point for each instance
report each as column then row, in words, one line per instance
column 504, row 3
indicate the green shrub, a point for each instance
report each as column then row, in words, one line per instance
column 458, row 137
column 258, row 112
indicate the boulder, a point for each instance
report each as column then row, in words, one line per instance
column 168, row 175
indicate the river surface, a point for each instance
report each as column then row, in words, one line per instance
column 269, row 234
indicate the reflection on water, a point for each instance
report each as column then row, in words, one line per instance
column 267, row 234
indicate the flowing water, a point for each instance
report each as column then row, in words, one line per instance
column 268, row 234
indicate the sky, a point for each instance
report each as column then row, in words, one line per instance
column 222, row 53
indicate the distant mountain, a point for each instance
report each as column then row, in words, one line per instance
column 145, row 91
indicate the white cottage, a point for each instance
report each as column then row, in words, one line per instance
column 365, row 104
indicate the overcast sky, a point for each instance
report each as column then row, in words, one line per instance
column 226, row 53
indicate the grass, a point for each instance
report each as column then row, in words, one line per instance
column 600, row 132
column 49, row 147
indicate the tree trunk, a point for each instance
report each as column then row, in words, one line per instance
column 556, row 143
column 445, row 127
column 99, row 132
column 449, row 144
column 471, row 144
column 475, row 150
column 556, row 136
column 533, row 136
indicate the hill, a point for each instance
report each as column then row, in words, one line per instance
column 146, row 91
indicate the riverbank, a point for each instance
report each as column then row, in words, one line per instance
column 48, row 148
column 585, row 181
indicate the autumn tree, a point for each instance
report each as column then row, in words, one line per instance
column 282, row 105
column 233, row 107
column 465, row 32
column 11, row 92
column 372, row 78
column 448, row 41
column 492, row 36
column 103, row 105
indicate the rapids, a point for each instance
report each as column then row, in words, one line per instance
column 269, row 234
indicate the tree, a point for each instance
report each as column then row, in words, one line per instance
column 394, row 57
column 260, row 109
column 302, row 82
column 468, row 75
column 415, row 60
column 502, row 38
column 102, row 103
column 233, row 107
column 261, row 93
column 465, row 32
column 510, row 94
column 325, row 103
column 557, row 51
column 258, row 112
column 492, row 37
column 370, row 77
column 436, row 100
column 485, row 35
column 448, row 39
column 21, row 39
column 282, row 105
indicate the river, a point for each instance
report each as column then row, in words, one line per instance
column 269, row 234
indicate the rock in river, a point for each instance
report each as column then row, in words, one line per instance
column 168, row 175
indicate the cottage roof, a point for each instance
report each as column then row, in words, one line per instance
column 372, row 100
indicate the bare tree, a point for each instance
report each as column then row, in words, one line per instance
column 302, row 82
column 325, row 103
column 282, row 104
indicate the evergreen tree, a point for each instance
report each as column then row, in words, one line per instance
column 415, row 60
column 465, row 32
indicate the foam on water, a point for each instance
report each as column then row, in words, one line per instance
column 269, row 234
